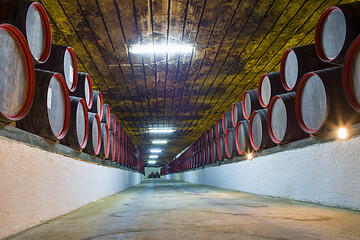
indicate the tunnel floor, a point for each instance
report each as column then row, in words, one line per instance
column 165, row 209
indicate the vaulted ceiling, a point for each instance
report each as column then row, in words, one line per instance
column 236, row 41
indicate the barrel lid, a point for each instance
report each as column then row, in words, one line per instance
column 88, row 89
column 82, row 121
column 277, row 119
column 97, row 127
column 264, row 89
column 246, row 105
column 255, row 125
column 229, row 142
column 289, row 69
column 70, row 69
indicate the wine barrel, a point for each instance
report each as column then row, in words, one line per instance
column 204, row 155
column 296, row 62
column 226, row 121
column 250, row 102
column 221, row 147
column 212, row 133
column 320, row 106
column 118, row 150
column 118, row 129
column 214, row 151
column 50, row 114
column 97, row 104
column 62, row 59
column 258, row 131
column 242, row 138
column 351, row 77
column 282, row 123
column 84, row 89
column 113, row 123
column 77, row 135
column 122, row 153
column 230, row 143
column 105, row 142
column 94, row 141
column 17, row 75
column 208, row 153
column 218, row 128
column 112, row 151
column 269, row 86
column 337, row 28
column 237, row 113
column 207, row 136
column 32, row 20
column 106, row 115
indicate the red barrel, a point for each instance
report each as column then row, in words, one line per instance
column 84, row 89
column 350, row 77
column 94, row 141
column 269, row 86
column 230, row 143
column 17, row 75
column 258, row 131
column 77, row 135
column 226, row 121
column 32, row 20
column 50, row 114
column 250, row 102
column 62, row 59
column 112, row 151
column 214, row 151
column 320, row 104
column 337, row 28
column 296, row 62
column 221, row 147
column 242, row 138
column 218, row 128
column 281, row 119
column 237, row 113
column 105, row 142
column 97, row 105
column 106, row 115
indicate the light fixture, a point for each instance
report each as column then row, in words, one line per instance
column 249, row 156
column 159, row 141
column 151, row 162
column 342, row 133
column 160, row 130
column 153, row 156
column 155, row 150
column 165, row 48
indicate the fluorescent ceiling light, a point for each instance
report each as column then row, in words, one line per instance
column 151, row 162
column 155, row 150
column 153, row 156
column 165, row 48
column 159, row 141
column 160, row 130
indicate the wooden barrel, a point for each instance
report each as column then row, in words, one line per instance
column 62, row 59
column 242, row 137
column 258, row 131
column 32, row 20
column 112, row 151
column 218, row 128
column 105, row 142
column 97, row 104
column 118, row 129
column 122, row 153
column 212, row 133
column 208, row 153
column 269, row 86
column 337, row 28
column 84, row 89
column 113, row 122
column 50, row 114
column 250, row 102
column 226, row 121
column 320, row 104
column 17, row 75
column 106, row 115
column 230, row 143
column 207, row 136
column 77, row 135
column 221, row 147
column 237, row 113
column 94, row 142
column 296, row 62
column 203, row 157
column 351, row 77
column 214, row 151
column 282, row 123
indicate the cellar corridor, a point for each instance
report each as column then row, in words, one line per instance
column 166, row 209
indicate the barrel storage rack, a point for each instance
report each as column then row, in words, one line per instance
column 42, row 93
column 315, row 92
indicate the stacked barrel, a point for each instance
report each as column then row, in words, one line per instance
column 42, row 90
column 317, row 90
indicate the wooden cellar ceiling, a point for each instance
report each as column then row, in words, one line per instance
column 236, row 41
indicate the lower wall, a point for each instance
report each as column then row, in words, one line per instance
column 325, row 173
column 38, row 185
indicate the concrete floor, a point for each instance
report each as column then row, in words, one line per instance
column 164, row 209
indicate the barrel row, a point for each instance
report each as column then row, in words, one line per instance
column 317, row 90
column 42, row 90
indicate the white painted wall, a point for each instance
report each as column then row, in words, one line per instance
column 149, row 170
column 326, row 173
column 37, row 185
